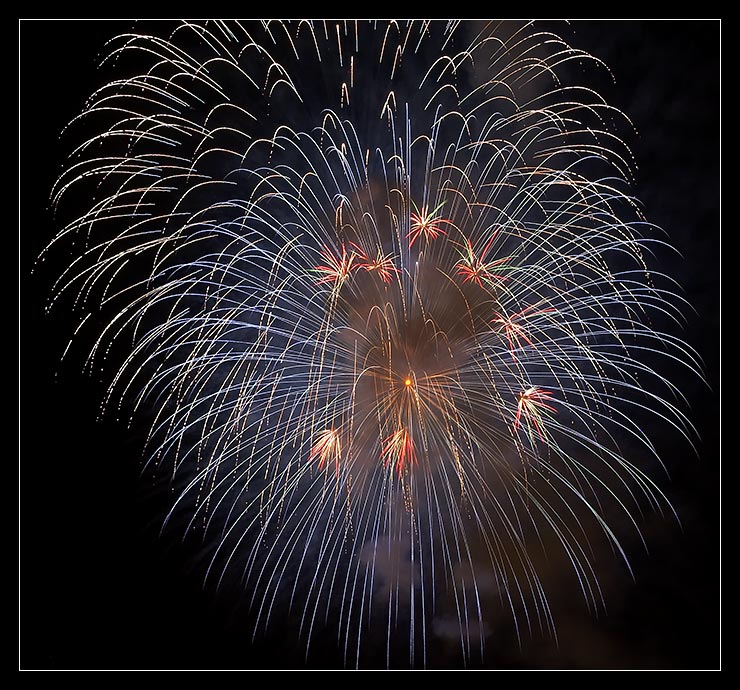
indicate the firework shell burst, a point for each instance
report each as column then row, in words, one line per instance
column 386, row 298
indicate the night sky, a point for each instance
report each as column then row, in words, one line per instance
column 101, row 589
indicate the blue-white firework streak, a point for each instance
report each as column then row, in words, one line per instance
column 385, row 294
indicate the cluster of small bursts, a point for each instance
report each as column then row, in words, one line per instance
column 474, row 267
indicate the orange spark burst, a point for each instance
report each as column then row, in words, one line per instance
column 383, row 265
column 427, row 224
column 531, row 403
column 475, row 268
column 327, row 448
column 399, row 450
column 514, row 329
column 337, row 268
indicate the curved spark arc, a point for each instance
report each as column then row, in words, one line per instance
column 397, row 327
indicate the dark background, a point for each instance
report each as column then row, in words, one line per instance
column 101, row 589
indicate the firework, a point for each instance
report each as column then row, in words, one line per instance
column 385, row 295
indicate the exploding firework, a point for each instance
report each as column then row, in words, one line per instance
column 385, row 295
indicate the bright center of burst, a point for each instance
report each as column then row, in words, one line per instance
column 407, row 382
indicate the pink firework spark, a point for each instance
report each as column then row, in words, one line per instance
column 473, row 267
column 327, row 448
column 427, row 224
column 531, row 403
column 398, row 450
column 337, row 268
column 514, row 328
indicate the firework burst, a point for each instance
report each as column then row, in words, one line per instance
column 383, row 290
